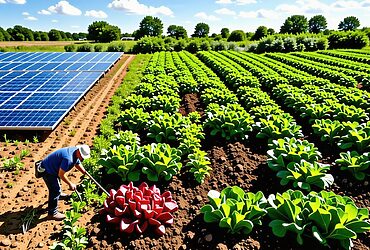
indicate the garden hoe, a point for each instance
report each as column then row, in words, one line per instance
column 91, row 178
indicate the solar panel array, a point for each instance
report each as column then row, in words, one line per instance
column 38, row 89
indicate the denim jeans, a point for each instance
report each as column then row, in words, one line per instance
column 53, row 184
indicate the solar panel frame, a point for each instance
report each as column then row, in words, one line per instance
column 37, row 90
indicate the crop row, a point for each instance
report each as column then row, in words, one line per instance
column 347, row 55
column 314, row 103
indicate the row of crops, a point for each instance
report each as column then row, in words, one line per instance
column 245, row 97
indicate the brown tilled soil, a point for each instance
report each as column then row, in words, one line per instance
column 27, row 193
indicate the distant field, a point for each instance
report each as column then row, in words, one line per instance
column 51, row 46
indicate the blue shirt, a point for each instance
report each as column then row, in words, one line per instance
column 64, row 158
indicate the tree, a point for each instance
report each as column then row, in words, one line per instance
column 295, row 24
column 6, row 35
column 201, row 30
column 261, row 32
column 225, row 32
column 236, row 36
column 149, row 26
column 27, row 34
column 37, row 35
column 270, row 31
column 44, row 36
column 349, row 23
column 54, row 35
column 101, row 31
column 177, row 31
column 317, row 24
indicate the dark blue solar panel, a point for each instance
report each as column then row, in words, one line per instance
column 38, row 89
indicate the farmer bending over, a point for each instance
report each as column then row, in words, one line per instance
column 56, row 165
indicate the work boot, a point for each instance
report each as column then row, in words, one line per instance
column 58, row 216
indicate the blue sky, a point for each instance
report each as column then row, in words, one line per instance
column 75, row 16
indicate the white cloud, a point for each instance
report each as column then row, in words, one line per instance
column 134, row 7
column 25, row 13
column 238, row 2
column 54, row 21
column 204, row 16
column 30, row 18
column 96, row 14
column 2, row 1
column 365, row 3
column 261, row 13
column 75, row 26
column 65, row 8
column 225, row 11
column 44, row 12
column 16, row 1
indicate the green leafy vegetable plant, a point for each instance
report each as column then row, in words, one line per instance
column 231, row 122
column 199, row 165
column 324, row 216
column 160, row 161
column 357, row 164
column 235, row 210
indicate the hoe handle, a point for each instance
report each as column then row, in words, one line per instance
column 91, row 178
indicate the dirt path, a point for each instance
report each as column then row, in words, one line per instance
column 79, row 126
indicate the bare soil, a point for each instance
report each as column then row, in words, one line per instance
column 28, row 193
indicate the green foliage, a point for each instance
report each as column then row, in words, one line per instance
column 237, row 36
column 278, row 126
column 199, row 165
column 349, row 23
column 126, row 138
column 116, row 47
column 235, row 210
column 286, row 150
column 295, row 24
column 317, row 24
column 232, row 122
column 134, row 119
column 122, row 160
column 324, row 216
column 162, row 126
column 201, row 30
column 85, row 48
column 348, row 40
column 305, row 174
column 98, row 48
column 70, row 48
column 189, row 138
column 357, row 164
column 101, row 31
column 149, row 26
column 160, row 161
column 261, row 32
column 177, row 31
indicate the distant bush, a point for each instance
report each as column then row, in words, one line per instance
column 205, row 46
column 149, row 45
column 193, row 47
column 98, row 48
column 348, row 40
column 85, row 48
column 116, row 47
column 290, row 43
column 218, row 46
column 70, row 48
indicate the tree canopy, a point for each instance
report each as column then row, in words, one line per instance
column 225, row 32
column 261, row 32
column 295, row 24
column 149, row 26
column 349, row 23
column 201, row 30
column 177, row 31
column 101, row 31
column 236, row 36
column 317, row 24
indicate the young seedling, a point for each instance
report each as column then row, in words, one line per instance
column 9, row 185
column 72, row 133
column 24, row 153
column 35, row 139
